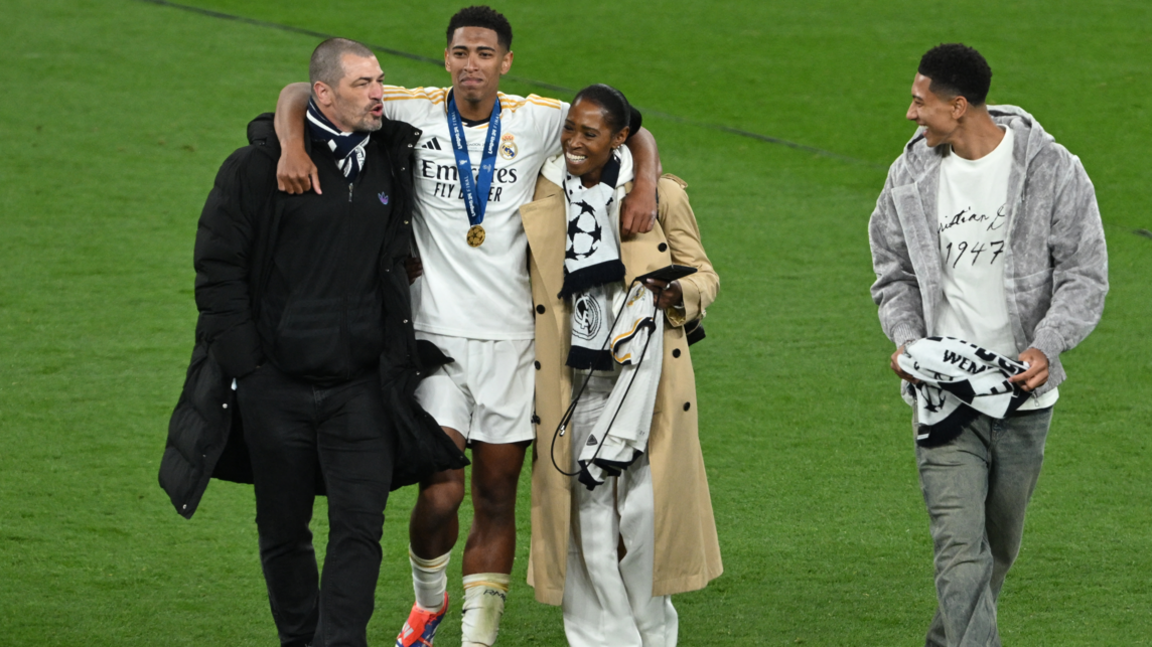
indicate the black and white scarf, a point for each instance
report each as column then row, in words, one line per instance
column 592, row 267
column 347, row 147
column 958, row 381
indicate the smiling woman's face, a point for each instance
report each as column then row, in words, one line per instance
column 587, row 140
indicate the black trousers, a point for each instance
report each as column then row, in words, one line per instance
column 293, row 428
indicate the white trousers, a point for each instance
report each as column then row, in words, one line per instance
column 608, row 598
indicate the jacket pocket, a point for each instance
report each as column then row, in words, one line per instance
column 1033, row 296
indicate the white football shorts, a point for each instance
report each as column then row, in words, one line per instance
column 487, row 392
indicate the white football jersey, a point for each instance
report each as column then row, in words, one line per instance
column 475, row 292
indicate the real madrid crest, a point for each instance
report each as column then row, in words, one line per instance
column 508, row 148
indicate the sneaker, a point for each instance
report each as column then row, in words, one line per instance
column 421, row 626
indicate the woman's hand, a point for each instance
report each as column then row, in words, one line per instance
column 667, row 295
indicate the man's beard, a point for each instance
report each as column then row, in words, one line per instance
column 363, row 122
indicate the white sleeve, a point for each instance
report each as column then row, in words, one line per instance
column 552, row 125
column 409, row 104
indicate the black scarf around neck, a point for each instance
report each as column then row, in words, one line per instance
column 347, row 147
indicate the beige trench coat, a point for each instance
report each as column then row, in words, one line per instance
column 687, row 552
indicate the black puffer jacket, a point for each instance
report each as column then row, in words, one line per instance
column 234, row 244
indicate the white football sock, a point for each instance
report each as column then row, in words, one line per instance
column 484, row 595
column 429, row 579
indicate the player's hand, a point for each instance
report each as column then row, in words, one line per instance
column 899, row 371
column 666, row 294
column 415, row 268
column 1037, row 373
column 295, row 172
column 638, row 211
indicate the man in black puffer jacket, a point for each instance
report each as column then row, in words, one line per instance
column 305, row 357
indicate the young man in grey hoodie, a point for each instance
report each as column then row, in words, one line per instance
column 987, row 230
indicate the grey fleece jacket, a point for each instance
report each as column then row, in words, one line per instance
column 1056, row 263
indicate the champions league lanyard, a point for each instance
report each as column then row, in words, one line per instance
column 475, row 189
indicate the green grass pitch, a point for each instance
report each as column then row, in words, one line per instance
column 116, row 115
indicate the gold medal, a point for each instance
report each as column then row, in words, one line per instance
column 476, row 236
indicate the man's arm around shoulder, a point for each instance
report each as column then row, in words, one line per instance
column 295, row 172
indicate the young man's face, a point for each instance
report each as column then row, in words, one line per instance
column 936, row 113
column 356, row 103
column 476, row 61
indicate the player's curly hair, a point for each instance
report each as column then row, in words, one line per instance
column 618, row 113
column 957, row 70
column 482, row 16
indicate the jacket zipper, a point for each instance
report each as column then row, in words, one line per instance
column 345, row 333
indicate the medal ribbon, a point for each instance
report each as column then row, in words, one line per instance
column 474, row 188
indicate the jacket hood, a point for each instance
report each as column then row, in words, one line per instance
column 262, row 131
column 917, row 155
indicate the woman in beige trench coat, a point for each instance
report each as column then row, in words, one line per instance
column 686, row 551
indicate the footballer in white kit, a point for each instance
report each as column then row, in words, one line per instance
column 476, row 303
column 477, row 292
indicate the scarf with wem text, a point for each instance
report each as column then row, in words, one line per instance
column 958, row 380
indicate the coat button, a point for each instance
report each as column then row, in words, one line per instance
column 540, row 309
column 225, row 405
column 662, row 247
column 676, row 352
column 687, row 406
column 537, row 366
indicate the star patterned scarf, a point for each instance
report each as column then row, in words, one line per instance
column 592, row 267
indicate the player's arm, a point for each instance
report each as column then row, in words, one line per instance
column 638, row 211
column 295, row 173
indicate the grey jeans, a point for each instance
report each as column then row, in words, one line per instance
column 977, row 488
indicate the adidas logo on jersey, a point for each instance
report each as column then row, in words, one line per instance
column 432, row 145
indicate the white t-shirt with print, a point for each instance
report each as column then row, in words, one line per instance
column 475, row 292
column 973, row 227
